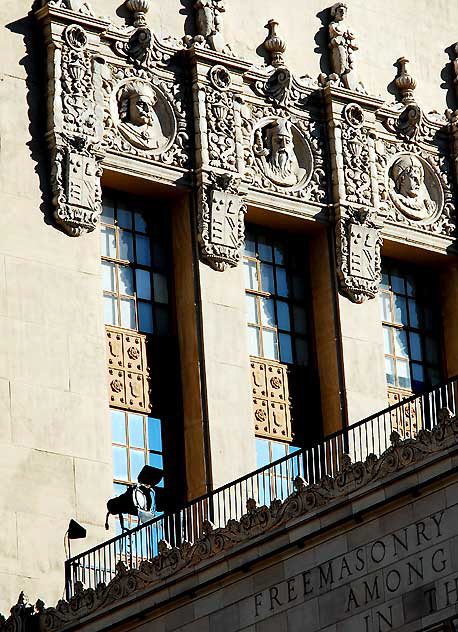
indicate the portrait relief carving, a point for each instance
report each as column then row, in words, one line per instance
column 282, row 153
column 142, row 116
column 414, row 188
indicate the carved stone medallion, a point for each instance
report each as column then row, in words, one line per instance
column 415, row 188
column 143, row 116
column 282, row 153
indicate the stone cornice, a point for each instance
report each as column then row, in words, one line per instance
column 351, row 478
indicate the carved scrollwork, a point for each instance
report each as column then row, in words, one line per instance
column 358, row 184
column 221, row 129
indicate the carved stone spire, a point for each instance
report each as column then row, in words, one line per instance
column 275, row 45
column 139, row 8
column 405, row 83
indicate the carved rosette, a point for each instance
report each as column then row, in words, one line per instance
column 271, row 403
column 358, row 247
column 221, row 228
column 128, row 376
column 74, row 123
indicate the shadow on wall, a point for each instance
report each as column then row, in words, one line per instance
column 448, row 79
column 187, row 11
column 322, row 41
column 34, row 64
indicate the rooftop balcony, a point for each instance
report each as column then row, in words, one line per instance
column 277, row 481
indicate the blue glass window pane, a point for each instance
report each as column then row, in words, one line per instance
column 279, row 251
column 159, row 255
column 403, row 373
column 299, row 287
column 142, row 243
column 110, row 310
column 143, row 278
column 302, row 352
column 118, row 427
column 108, row 241
column 385, row 307
column 262, row 453
column 108, row 276
column 107, row 216
column 155, row 460
column 415, row 347
column 250, row 246
column 140, row 224
column 400, row 310
column 264, row 249
column 286, row 351
column 254, row 344
column 120, row 463
column 154, row 434
column 418, row 375
column 300, row 320
column 136, row 431
column 414, row 313
column 397, row 283
column 126, row 245
column 145, row 317
column 268, row 312
column 270, row 342
column 411, row 285
column 128, row 313
column 278, row 450
column 400, row 343
column 267, row 278
column 251, row 309
column 161, row 293
column 251, row 274
column 389, row 370
column 284, row 321
column 282, row 282
column 387, row 340
column 124, row 217
column 385, row 284
column 137, row 462
column 162, row 321
column 118, row 489
column 432, row 352
column 126, row 280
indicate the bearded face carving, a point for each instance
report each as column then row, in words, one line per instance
column 139, row 122
column 412, row 189
column 275, row 150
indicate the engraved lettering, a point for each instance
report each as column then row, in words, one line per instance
column 292, row 596
column 418, row 572
column 442, row 562
column 388, row 622
column 345, row 567
column 397, row 541
column 450, row 590
column 420, row 527
column 370, row 594
column 431, row 599
column 329, row 577
column 273, row 592
column 381, row 551
column 437, row 519
column 257, row 603
column 361, row 561
column 306, row 579
column 393, row 580
column 352, row 601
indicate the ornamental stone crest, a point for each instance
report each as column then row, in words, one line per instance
column 358, row 255
column 282, row 154
column 221, row 222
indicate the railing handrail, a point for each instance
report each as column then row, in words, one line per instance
column 196, row 501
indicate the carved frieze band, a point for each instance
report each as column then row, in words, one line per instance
column 271, row 403
column 128, row 377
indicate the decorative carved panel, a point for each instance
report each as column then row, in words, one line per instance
column 128, row 378
column 271, row 405
column 407, row 420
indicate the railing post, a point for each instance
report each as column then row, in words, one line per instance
column 68, row 580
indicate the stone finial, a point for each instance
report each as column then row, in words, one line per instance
column 405, row 83
column 275, row 45
column 139, row 8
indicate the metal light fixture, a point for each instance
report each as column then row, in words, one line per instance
column 75, row 531
column 137, row 500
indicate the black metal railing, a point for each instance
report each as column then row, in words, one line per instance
column 274, row 481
